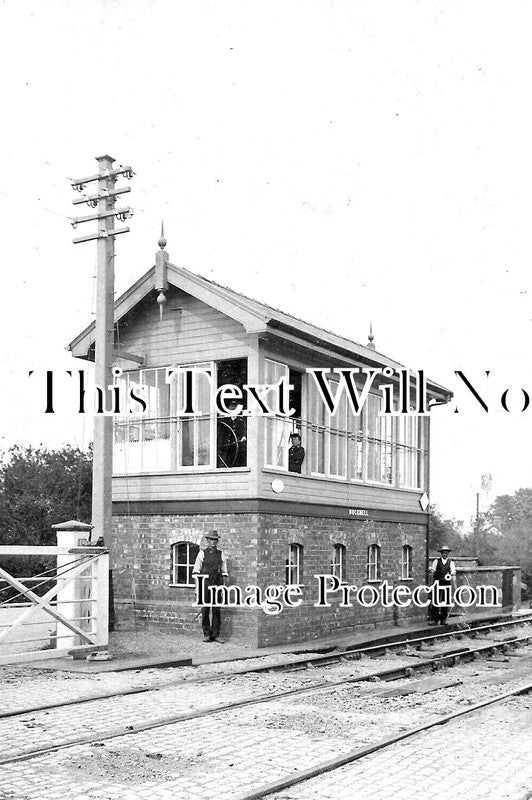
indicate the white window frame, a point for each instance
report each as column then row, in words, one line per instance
column 412, row 452
column 294, row 564
column 188, row 562
column 143, row 423
column 383, row 445
column 406, row 562
column 374, row 563
column 330, row 427
column 177, row 378
column 277, row 428
column 357, row 445
column 338, row 561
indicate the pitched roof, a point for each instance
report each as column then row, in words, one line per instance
column 254, row 316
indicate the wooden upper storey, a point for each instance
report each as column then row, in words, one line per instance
column 366, row 461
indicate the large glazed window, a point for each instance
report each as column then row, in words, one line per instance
column 142, row 441
column 231, row 430
column 278, row 429
column 195, row 434
column 411, row 452
column 164, row 438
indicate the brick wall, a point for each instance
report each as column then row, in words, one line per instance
column 257, row 547
column 143, row 568
column 318, row 536
column 507, row 581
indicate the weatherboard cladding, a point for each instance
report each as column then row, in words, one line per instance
column 190, row 332
column 239, row 484
column 252, row 315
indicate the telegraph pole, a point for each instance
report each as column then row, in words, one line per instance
column 102, row 469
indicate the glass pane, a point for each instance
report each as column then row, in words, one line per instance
column 187, row 442
column 204, row 441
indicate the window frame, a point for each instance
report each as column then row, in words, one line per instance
column 140, row 424
column 176, row 397
column 276, row 426
column 374, row 565
column 412, row 453
column 188, row 562
column 294, row 562
column 338, row 558
column 406, row 562
column 128, row 461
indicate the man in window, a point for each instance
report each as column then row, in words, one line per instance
column 443, row 572
column 212, row 563
column 296, row 453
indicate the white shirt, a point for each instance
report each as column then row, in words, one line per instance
column 198, row 564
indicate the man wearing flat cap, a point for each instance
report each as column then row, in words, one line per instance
column 212, row 563
column 443, row 572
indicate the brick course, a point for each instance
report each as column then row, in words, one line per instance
column 257, row 547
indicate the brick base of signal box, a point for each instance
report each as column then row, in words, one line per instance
column 257, row 546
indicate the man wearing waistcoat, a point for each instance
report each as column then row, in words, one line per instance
column 212, row 563
column 443, row 572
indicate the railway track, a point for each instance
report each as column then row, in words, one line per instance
column 351, row 652
column 329, row 684
column 357, row 754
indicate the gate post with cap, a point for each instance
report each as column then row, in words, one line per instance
column 77, row 597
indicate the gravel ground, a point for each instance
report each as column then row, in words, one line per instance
column 268, row 738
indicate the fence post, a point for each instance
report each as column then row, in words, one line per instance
column 70, row 534
column 101, row 600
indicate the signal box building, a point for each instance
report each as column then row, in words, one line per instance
column 356, row 509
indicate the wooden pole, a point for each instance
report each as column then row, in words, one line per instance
column 102, row 469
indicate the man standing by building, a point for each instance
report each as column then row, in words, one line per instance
column 211, row 563
column 443, row 572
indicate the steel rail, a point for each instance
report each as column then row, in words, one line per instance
column 356, row 755
column 288, row 666
column 449, row 659
column 354, row 651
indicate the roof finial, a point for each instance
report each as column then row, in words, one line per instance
column 162, row 240
column 370, row 344
column 161, row 270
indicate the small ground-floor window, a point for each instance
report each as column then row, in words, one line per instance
column 183, row 558
column 374, row 563
column 294, row 564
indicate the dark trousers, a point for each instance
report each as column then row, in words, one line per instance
column 210, row 616
column 210, row 621
column 441, row 613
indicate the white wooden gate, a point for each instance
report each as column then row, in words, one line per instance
column 73, row 596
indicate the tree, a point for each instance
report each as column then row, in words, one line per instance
column 446, row 531
column 511, row 516
column 39, row 488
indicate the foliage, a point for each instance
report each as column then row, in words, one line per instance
column 510, row 530
column 39, row 488
column 446, row 531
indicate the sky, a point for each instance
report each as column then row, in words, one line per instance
column 348, row 162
